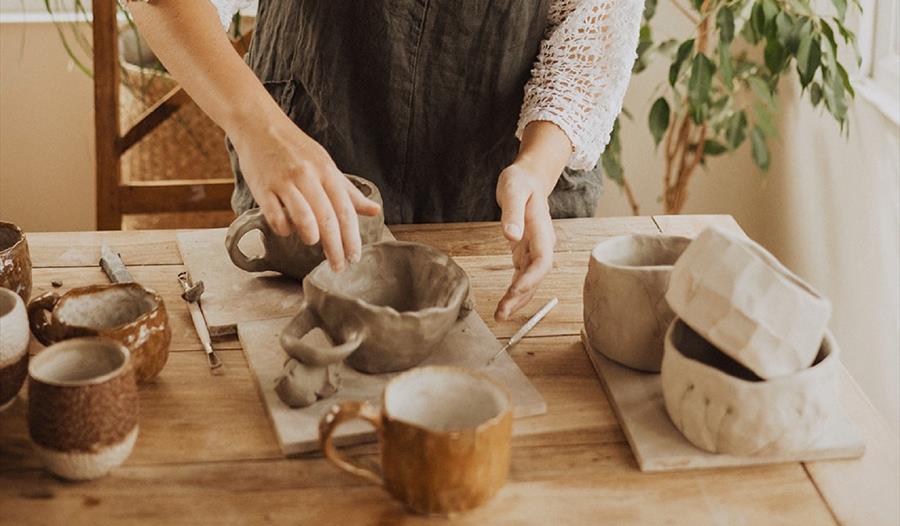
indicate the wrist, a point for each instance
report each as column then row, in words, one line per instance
column 544, row 151
column 252, row 119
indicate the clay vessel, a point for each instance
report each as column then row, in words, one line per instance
column 723, row 407
column 14, row 339
column 126, row 312
column 82, row 407
column 290, row 255
column 444, row 435
column 625, row 310
column 740, row 298
column 15, row 261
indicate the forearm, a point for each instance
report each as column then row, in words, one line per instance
column 189, row 41
column 544, row 152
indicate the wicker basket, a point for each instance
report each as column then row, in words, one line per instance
column 188, row 145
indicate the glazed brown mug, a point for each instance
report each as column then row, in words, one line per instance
column 289, row 255
column 126, row 312
column 444, row 435
column 14, row 339
column 15, row 261
column 385, row 313
column 82, row 407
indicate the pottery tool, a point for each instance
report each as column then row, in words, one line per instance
column 191, row 294
column 521, row 333
column 113, row 266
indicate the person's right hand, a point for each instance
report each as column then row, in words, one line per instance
column 298, row 187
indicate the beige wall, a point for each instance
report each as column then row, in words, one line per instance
column 829, row 208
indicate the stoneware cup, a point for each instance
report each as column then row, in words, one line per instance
column 82, row 407
column 126, row 312
column 625, row 310
column 385, row 313
column 14, row 338
column 444, row 435
column 15, row 261
column 723, row 407
column 740, row 298
column 290, row 255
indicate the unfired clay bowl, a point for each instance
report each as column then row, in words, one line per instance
column 14, row 337
column 723, row 407
column 740, row 298
column 15, row 261
column 82, row 407
column 385, row 313
column 625, row 310
column 126, row 312
column 290, row 255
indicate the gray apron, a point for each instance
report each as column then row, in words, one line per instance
column 419, row 96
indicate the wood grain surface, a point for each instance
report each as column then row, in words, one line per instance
column 207, row 454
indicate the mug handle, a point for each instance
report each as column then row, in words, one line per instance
column 38, row 310
column 305, row 321
column 245, row 223
column 337, row 415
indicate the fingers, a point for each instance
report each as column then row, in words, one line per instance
column 533, row 259
column 512, row 199
column 271, row 208
column 329, row 227
column 362, row 204
column 301, row 215
column 336, row 188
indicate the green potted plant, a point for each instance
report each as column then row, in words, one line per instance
column 724, row 77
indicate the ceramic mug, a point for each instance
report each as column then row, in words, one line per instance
column 723, row 407
column 15, row 261
column 82, row 407
column 385, row 313
column 290, row 255
column 625, row 310
column 126, row 312
column 444, row 435
column 14, row 339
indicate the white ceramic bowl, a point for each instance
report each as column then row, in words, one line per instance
column 739, row 297
column 722, row 407
column 14, row 338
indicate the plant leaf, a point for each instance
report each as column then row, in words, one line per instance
column 774, row 56
column 736, row 131
column 702, row 70
column 612, row 157
column 684, row 51
column 726, row 67
column 761, row 90
column 760, row 149
column 725, row 23
column 659, row 119
column 841, row 6
column 815, row 94
column 712, row 148
column 809, row 56
column 764, row 120
column 649, row 9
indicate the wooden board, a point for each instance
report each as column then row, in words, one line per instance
column 637, row 400
column 470, row 344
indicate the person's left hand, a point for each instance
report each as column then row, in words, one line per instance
column 522, row 195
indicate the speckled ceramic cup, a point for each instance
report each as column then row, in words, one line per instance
column 14, row 338
column 15, row 261
column 126, row 312
column 82, row 407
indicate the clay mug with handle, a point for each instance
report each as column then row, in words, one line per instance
column 290, row 255
column 444, row 435
column 15, row 260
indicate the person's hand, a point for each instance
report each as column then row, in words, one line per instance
column 298, row 187
column 522, row 195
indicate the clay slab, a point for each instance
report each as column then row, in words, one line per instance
column 637, row 400
column 469, row 344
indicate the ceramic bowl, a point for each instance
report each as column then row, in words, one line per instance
column 625, row 311
column 82, row 407
column 126, row 312
column 14, row 337
column 15, row 261
column 385, row 313
column 289, row 255
column 723, row 407
column 739, row 297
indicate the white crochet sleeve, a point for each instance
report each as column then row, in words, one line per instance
column 582, row 71
column 228, row 8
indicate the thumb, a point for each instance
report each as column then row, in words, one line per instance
column 512, row 201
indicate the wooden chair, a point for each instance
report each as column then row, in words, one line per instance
column 115, row 197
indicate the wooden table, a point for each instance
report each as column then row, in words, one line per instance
column 207, row 453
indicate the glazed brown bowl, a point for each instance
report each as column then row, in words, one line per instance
column 15, row 261
column 385, row 313
column 82, row 407
column 289, row 255
column 14, row 339
column 126, row 312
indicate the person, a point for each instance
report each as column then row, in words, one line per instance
column 458, row 110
